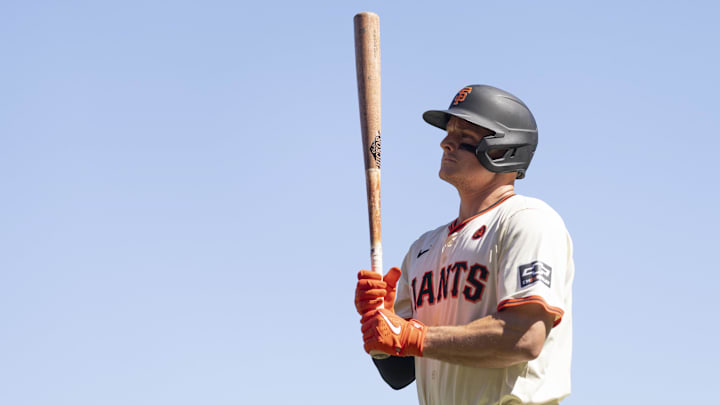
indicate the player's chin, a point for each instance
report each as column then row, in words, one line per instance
column 446, row 174
column 444, row 168
column 442, row 174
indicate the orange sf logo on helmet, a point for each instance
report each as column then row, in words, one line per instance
column 460, row 97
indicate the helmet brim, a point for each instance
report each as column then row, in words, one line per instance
column 440, row 118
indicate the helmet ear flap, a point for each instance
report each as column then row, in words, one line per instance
column 515, row 153
column 500, row 154
column 509, row 153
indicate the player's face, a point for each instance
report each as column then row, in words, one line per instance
column 461, row 167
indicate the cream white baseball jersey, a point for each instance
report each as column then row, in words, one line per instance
column 516, row 252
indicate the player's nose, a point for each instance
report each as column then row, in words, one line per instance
column 449, row 143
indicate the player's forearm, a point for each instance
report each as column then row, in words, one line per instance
column 494, row 341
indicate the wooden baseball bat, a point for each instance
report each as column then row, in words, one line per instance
column 367, row 63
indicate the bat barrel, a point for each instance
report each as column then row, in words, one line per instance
column 367, row 63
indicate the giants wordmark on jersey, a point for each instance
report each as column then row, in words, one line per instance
column 474, row 278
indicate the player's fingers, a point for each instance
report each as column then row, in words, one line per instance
column 391, row 278
column 374, row 298
column 389, row 302
column 371, row 298
column 367, row 328
column 368, row 301
column 369, row 332
column 367, row 274
column 370, row 294
column 367, row 317
column 370, row 285
column 372, row 334
column 366, row 306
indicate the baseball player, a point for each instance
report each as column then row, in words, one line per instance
column 480, row 312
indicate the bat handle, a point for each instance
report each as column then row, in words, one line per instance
column 376, row 263
column 376, row 257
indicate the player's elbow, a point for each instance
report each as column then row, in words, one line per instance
column 527, row 327
column 531, row 351
column 530, row 345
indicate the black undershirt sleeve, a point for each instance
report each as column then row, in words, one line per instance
column 398, row 372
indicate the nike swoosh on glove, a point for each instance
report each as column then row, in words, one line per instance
column 386, row 332
column 373, row 289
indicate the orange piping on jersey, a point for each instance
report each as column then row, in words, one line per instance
column 454, row 226
column 533, row 299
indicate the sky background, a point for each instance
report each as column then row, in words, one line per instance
column 183, row 204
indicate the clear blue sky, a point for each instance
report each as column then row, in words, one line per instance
column 183, row 202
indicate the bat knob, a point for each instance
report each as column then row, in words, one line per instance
column 379, row 355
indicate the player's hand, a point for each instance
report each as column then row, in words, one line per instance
column 386, row 332
column 372, row 289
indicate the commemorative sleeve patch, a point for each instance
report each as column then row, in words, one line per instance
column 532, row 272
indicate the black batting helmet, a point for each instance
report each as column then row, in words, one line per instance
column 514, row 127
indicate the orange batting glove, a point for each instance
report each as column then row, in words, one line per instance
column 386, row 332
column 372, row 289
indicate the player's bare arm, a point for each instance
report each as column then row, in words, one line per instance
column 499, row 340
column 502, row 339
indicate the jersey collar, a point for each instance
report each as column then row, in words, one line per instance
column 455, row 227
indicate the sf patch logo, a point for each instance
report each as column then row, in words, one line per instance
column 462, row 94
column 479, row 233
column 532, row 272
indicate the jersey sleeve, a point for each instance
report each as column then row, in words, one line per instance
column 403, row 295
column 533, row 263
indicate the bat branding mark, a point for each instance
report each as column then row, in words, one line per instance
column 375, row 149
